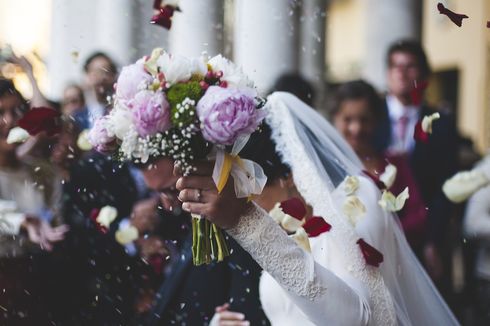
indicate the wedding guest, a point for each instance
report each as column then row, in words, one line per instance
column 432, row 162
column 356, row 111
column 297, row 85
column 73, row 100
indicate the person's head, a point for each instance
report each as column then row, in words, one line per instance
column 73, row 99
column 12, row 108
column 406, row 64
column 355, row 111
column 101, row 74
column 297, row 85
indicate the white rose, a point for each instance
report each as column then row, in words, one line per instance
column 301, row 238
column 120, row 121
column 462, row 185
column 126, row 235
column 17, row 135
column 232, row 74
column 350, row 184
column 176, row 68
column 391, row 203
column 354, row 209
column 106, row 216
column 388, row 177
column 427, row 122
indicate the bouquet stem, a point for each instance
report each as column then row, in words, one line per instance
column 208, row 242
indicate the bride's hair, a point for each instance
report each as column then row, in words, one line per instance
column 261, row 149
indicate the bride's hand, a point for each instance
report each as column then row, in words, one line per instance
column 199, row 196
column 224, row 317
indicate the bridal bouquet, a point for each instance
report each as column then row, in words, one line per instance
column 184, row 109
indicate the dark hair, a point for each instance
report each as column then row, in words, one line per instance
column 7, row 87
column 297, row 85
column 356, row 90
column 99, row 54
column 261, row 149
column 414, row 48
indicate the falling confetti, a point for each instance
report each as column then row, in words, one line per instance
column 75, row 55
column 455, row 18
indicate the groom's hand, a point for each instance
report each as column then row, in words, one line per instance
column 200, row 196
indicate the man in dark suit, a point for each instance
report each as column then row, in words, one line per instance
column 432, row 162
column 190, row 294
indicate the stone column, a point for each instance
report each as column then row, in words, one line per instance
column 198, row 28
column 386, row 22
column 265, row 42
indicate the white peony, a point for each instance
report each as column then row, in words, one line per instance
column 232, row 74
column 354, row 209
column 176, row 68
column 427, row 122
column 17, row 135
column 199, row 66
column 301, row 238
column 391, row 203
column 463, row 184
column 388, row 177
column 106, row 216
column 350, row 185
column 120, row 121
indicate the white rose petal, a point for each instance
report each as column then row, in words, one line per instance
column 350, row 184
column 17, row 135
column 427, row 122
column 463, row 184
column 354, row 209
column 301, row 238
column 277, row 214
column 106, row 216
column 391, row 203
column 127, row 235
column 291, row 224
column 388, row 177
column 83, row 142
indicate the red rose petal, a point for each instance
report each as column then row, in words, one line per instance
column 419, row 134
column 375, row 178
column 157, row 4
column 41, row 119
column 372, row 256
column 417, row 93
column 164, row 17
column 455, row 18
column 294, row 207
column 316, row 226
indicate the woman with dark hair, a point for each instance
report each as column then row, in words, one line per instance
column 355, row 112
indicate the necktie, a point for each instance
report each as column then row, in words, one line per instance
column 402, row 131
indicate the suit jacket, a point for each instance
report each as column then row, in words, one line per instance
column 190, row 293
column 432, row 163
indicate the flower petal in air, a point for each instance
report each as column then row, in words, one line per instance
column 372, row 256
column 388, row 177
column 126, row 235
column 427, row 122
column 454, row 17
column 390, row 203
column 316, row 226
column 301, row 238
column 350, row 185
column 463, row 184
column 83, row 142
column 354, row 209
column 17, row 135
column 106, row 216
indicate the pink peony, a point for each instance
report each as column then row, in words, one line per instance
column 227, row 113
column 131, row 78
column 151, row 113
column 100, row 138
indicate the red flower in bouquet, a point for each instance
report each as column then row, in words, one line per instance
column 372, row 256
column 41, row 119
column 316, row 226
column 455, row 18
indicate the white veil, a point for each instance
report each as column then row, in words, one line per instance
column 320, row 160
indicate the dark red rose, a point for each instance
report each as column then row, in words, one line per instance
column 40, row 119
column 294, row 207
column 372, row 256
column 455, row 18
column 316, row 226
column 419, row 134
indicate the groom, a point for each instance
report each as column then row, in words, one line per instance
column 190, row 293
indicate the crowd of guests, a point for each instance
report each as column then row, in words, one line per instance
column 58, row 266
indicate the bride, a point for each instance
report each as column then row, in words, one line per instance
column 335, row 284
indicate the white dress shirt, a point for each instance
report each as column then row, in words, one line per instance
column 401, row 143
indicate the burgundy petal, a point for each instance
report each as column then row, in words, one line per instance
column 316, row 226
column 375, row 178
column 372, row 256
column 164, row 17
column 41, row 119
column 455, row 18
column 294, row 207
column 419, row 134
column 417, row 93
column 157, row 4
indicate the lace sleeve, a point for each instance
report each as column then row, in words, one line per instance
column 321, row 295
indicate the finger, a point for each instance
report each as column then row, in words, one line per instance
column 234, row 323
column 222, row 308
column 231, row 315
column 177, row 170
column 196, row 195
column 197, row 182
column 202, row 168
column 194, row 208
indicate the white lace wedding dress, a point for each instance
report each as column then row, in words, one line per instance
column 333, row 285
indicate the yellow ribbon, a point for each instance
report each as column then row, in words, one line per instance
column 225, row 171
